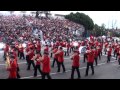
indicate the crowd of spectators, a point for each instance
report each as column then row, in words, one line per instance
column 18, row 28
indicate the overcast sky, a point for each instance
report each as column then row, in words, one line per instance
column 99, row 17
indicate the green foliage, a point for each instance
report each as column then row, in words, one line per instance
column 99, row 30
column 81, row 18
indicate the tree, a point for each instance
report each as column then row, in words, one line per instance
column 99, row 30
column 81, row 18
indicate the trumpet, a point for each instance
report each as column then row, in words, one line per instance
column 7, row 61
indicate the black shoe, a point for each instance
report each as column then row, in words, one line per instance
column 92, row 73
column 86, row 75
column 79, row 78
column 18, row 77
column 64, row 71
column 58, row 71
column 35, row 75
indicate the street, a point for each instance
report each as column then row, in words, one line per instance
column 102, row 71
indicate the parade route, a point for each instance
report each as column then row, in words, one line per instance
column 104, row 70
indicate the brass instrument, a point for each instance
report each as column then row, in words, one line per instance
column 7, row 61
column 108, row 49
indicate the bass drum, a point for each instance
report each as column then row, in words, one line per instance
column 64, row 49
column 82, row 49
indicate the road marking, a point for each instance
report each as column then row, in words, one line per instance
column 66, row 71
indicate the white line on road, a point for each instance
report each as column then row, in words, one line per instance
column 66, row 71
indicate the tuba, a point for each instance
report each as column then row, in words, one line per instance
column 7, row 61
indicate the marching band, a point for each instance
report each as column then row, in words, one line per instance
column 41, row 62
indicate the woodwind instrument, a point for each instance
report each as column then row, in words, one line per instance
column 7, row 61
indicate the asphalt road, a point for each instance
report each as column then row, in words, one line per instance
column 102, row 71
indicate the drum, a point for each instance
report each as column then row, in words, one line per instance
column 65, row 49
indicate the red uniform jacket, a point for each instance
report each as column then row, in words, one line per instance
column 21, row 49
column 38, row 62
column 46, row 64
column 27, row 50
column 99, row 50
column 55, row 56
column 110, row 51
column 96, row 53
column 90, row 57
column 68, row 46
column 61, row 56
column 76, row 60
column 31, row 55
column 106, row 44
column 46, row 49
column 13, row 69
column 38, row 47
column 118, row 50
column 119, row 55
column 6, row 49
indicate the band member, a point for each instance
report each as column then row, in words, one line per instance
column 21, row 51
column 30, row 61
column 13, row 68
column 117, row 52
column 6, row 50
column 90, row 61
column 75, row 64
column 27, row 56
column 119, row 58
column 96, row 56
column 109, row 50
column 46, row 48
column 37, row 66
column 85, row 54
column 101, row 48
column 68, row 48
column 115, row 49
column 13, row 52
column 55, row 56
column 45, row 59
column 99, row 51
column 60, row 53
column 38, row 47
column 105, row 49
